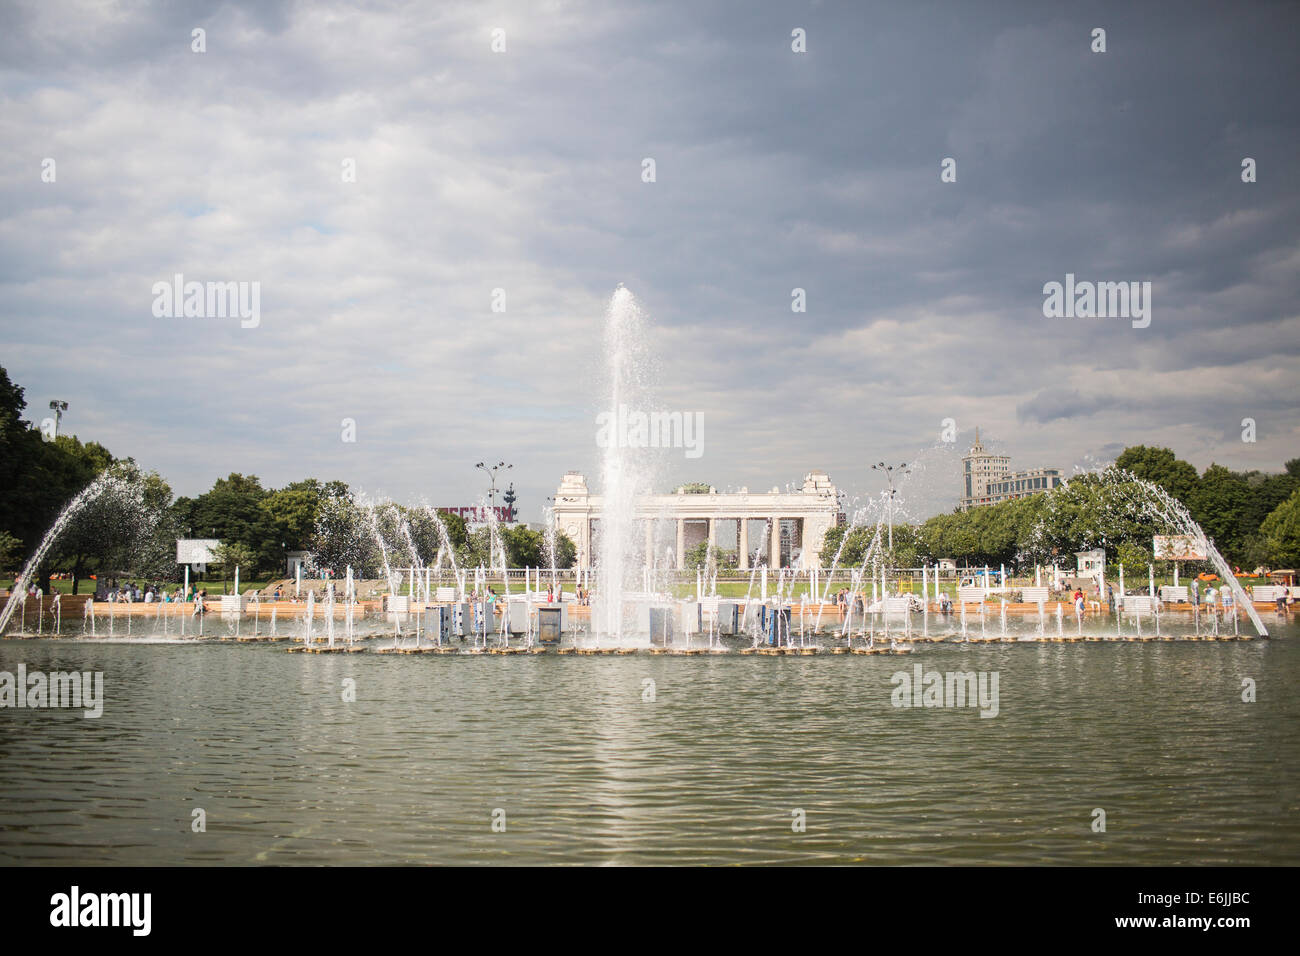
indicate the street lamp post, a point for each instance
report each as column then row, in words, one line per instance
column 889, row 478
column 491, row 472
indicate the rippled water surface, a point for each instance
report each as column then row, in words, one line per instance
column 711, row 771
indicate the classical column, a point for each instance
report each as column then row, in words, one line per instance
column 649, row 543
column 743, row 546
column 681, row 543
column 713, row 534
column 774, row 544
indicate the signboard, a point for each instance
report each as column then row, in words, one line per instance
column 473, row 515
column 196, row 550
column 1177, row 547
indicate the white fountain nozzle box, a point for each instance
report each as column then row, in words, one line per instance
column 660, row 622
column 479, row 619
column 399, row 608
column 690, row 615
column 437, row 622
column 462, row 619
column 517, row 616
column 552, row 621
column 1136, row 604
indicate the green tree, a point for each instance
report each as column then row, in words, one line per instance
column 24, row 504
column 1221, row 505
column 456, row 528
column 907, row 548
column 525, row 548
column 66, row 467
column 231, row 555
column 694, row 488
column 37, row 477
column 293, row 510
column 123, row 532
column 1281, row 531
column 1161, row 467
column 1134, row 557
column 422, row 526
column 1267, row 491
column 11, row 552
column 1255, row 552
column 344, row 537
column 856, row 540
column 477, row 550
column 697, row 557
column 566, row 552
column 233, row 511
column 1009, row 532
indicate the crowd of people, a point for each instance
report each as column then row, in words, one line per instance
column 133, row 593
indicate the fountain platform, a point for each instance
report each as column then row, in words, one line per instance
column 431, row 649
column 336, row 649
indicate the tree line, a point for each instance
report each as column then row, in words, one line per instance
column 1253, row 517
column 134, row 534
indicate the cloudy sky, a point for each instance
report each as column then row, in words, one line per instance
column 774, row 170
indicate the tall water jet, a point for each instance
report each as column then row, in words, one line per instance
column 372, row 512
column 108, row 483
column 1168, row 510
column 625, row 468
column 551, row 543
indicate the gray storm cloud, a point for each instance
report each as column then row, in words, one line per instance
column 521, row 171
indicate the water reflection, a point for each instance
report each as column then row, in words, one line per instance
column 710, row 771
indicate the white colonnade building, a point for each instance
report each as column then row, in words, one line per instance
column 738, row 522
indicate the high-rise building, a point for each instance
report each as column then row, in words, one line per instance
column 988, row 478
